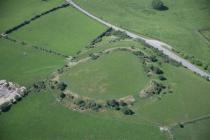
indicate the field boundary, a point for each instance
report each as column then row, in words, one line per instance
column 194, row 120
column 26, row 22
column 201, row 32
column 23, row 43
column 151, row 42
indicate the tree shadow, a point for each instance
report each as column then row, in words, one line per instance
column 163, row 8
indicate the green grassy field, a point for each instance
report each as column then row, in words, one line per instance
column 207, row 35
column 13, row 12
column 24, row 64
column 115, row 75
column 65, row 30
column 194, row 131
column 39, row 117
column 175, row 26
column 190, row 98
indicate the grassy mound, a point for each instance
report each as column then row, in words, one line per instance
column 115, row 75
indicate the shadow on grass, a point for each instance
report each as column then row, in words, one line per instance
column 163, row 8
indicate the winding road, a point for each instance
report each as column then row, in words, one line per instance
column 161, row 46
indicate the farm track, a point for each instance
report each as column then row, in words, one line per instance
column 161, row 46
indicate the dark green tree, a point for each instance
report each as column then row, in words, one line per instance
column 158, row 5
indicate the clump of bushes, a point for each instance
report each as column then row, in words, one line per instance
column 94, row 56
column 62, row 95
column 162, row 78
column 119, row 105
column 153, row 58
column 120, row 34
column 39, row 85
column 154, row 69
column 155, row 88
column 159, row 5
column 5, row 107
column 139, row 53
column 127, row 111
column 87, row 104
column 61, row 86
column 113, row 104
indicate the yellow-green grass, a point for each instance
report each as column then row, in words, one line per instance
column 190, row 98
column 13, row 12
column 206, row 34
column 40, row 117
column 65, row 30
column 112, row 76
column 194, row 131
column 25, row 65
column 175, row 26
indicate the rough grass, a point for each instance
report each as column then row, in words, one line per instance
column 24, row 64
column 66, row 31
column 115, row 75
column 39, row 117
column 197, row 131
column 175, row 26
column 190, row 98
column 13, row 12
column 206, row 34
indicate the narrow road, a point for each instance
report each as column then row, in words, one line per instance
column 161, row 46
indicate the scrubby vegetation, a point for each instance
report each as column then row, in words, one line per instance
column 158, row 5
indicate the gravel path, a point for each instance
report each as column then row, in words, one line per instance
column 161, row 46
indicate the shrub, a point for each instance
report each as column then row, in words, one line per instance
column 61, row 86
column 127, row 111
column 62, row 95
column 158, row 5
column 138, row 53
column 39, row 85
column 94, row 56
column 97, row 107
column 156, row 70
column 162, row 78
column 80, row 102
column 153, row 58
column 197, row 62
column 5, row 107
column 113, row 103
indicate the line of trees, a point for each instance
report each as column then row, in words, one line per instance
column 26, row 22
column 36, row 47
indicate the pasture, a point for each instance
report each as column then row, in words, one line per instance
column 24, row 65
column 66, row 31
column 175, row 26
column 42, row 115
column 39, row 116
column 13, row 12
column 115, row 75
